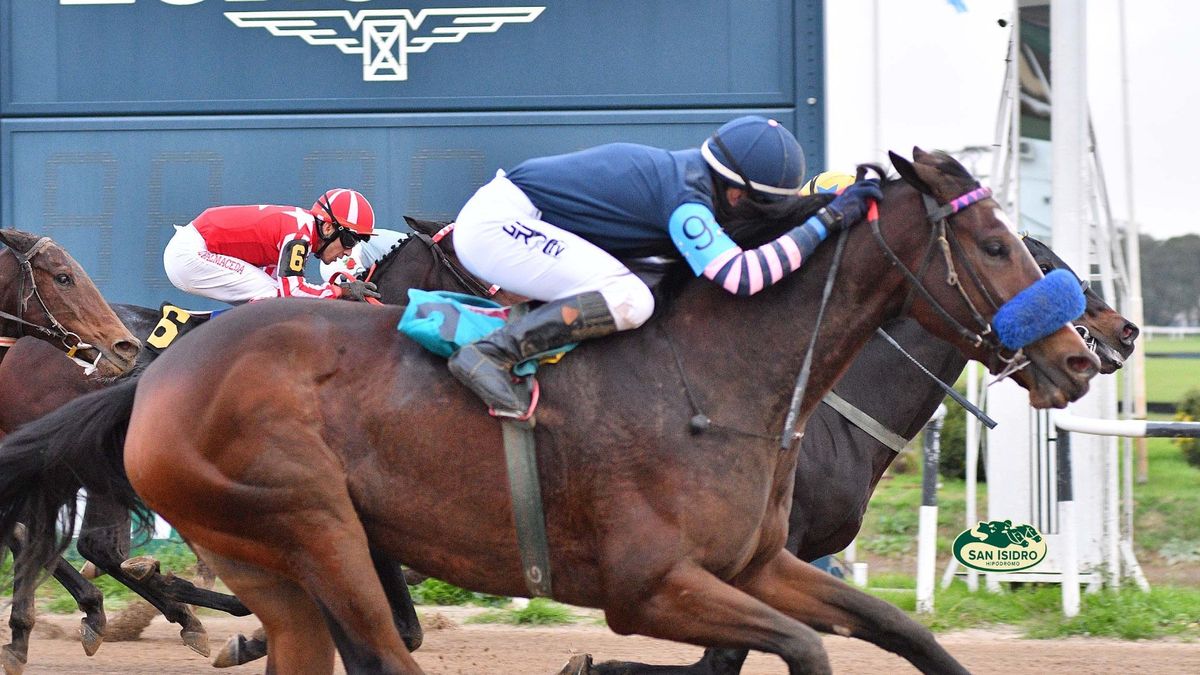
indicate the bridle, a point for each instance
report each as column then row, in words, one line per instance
column 939, row 215
column 70, row 340
column 466, row 279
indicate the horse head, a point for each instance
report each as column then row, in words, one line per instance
column 1105, row 331
column 973, row 265
column 46, row 288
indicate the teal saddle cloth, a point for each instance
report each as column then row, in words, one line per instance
column 444, row 321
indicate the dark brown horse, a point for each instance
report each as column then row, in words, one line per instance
column 840, row 463
column 36, row 378
column 46, row 294
column 674, row 535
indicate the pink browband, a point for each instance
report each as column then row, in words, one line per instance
column 976, row 195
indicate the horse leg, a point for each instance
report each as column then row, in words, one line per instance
column 239, row 649
column 300, row 641
column 338, row 571
column 689, row 604
column 89, row 599
column 15, row 655
column 714, row 662
column 104, row 540
column 395, row 587
column 145, row 569
column 833, row 606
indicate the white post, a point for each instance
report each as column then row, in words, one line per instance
column 1069, row 138
column 927, row 534
column 972, row 461
column 1134, row 311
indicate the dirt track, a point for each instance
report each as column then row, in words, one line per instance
column 520, row 651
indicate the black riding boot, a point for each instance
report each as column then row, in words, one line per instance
column 486, row 366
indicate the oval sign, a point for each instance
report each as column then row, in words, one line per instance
column 1000, row 546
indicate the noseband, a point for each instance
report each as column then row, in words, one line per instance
column 70, row 341
column 939, row 215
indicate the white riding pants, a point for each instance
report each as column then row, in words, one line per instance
column 194, row 269
column 500, row 237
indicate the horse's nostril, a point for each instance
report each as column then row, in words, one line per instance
column 127, row 349
column 1129, row 334
column 1081, row 364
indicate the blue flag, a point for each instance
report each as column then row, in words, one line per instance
column 958, row 4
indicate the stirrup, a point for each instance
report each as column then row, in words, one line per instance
column 534, row 395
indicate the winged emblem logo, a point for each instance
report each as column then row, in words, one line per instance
column 385, row 37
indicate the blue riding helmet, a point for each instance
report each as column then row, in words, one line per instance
column 757, row 150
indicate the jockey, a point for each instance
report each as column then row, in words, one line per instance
column 358, row 260
column 552, row 229
column 243, row 253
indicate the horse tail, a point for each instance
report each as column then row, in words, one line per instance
column 45, row 463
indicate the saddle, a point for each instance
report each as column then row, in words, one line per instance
column 662, row 274
column 175, row 321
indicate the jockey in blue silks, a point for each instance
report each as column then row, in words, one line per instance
column 553, row 228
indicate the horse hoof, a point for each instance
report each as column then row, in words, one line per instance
column 13, row 664
column 580, row 664
column 90, row 637
column 141, row 567
column 238, row 650
column 196, row 640
column 89, row 571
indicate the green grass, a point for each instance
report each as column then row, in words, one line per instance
column 1162, row 345
column 1036, row 611
column 539, row 612
column 437, row 592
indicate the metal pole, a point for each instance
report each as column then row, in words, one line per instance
column 1133, row 253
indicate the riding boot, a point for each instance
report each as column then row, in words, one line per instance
column 485, row 366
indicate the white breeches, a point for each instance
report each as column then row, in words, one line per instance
column 194, row 269
column 500, row 237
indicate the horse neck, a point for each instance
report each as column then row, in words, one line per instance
column 10, row 288
column 884, row 384
column 752, row 349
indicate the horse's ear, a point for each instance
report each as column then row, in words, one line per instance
column 426, row 227
column 909, row 172
column 17, row 240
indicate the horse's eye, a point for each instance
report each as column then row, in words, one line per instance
column 995, row 249
column 63, row 279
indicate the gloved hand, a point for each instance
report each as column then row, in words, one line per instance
column 851, row 206
column 353, row 289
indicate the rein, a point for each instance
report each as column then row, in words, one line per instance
column 56, row 329
column 939, row 215
column 465, row 278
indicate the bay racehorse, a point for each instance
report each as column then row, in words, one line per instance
column 840, row 463
column 36, row 378
column 674, row 534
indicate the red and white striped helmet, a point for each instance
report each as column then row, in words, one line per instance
column 346, row 208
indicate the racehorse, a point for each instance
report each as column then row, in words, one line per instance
column 45, row 293
column 840, row 462
column 36, row 379
column 631, row 493
column 50, row 308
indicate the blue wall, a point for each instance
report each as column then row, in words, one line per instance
column 104, row 145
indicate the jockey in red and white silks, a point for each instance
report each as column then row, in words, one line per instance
column 242, row 253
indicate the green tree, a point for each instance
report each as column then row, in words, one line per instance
column 1170, row 284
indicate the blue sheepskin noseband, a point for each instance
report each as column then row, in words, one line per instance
column 1039, row 310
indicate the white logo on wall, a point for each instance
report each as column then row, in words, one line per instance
column 385, row 37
